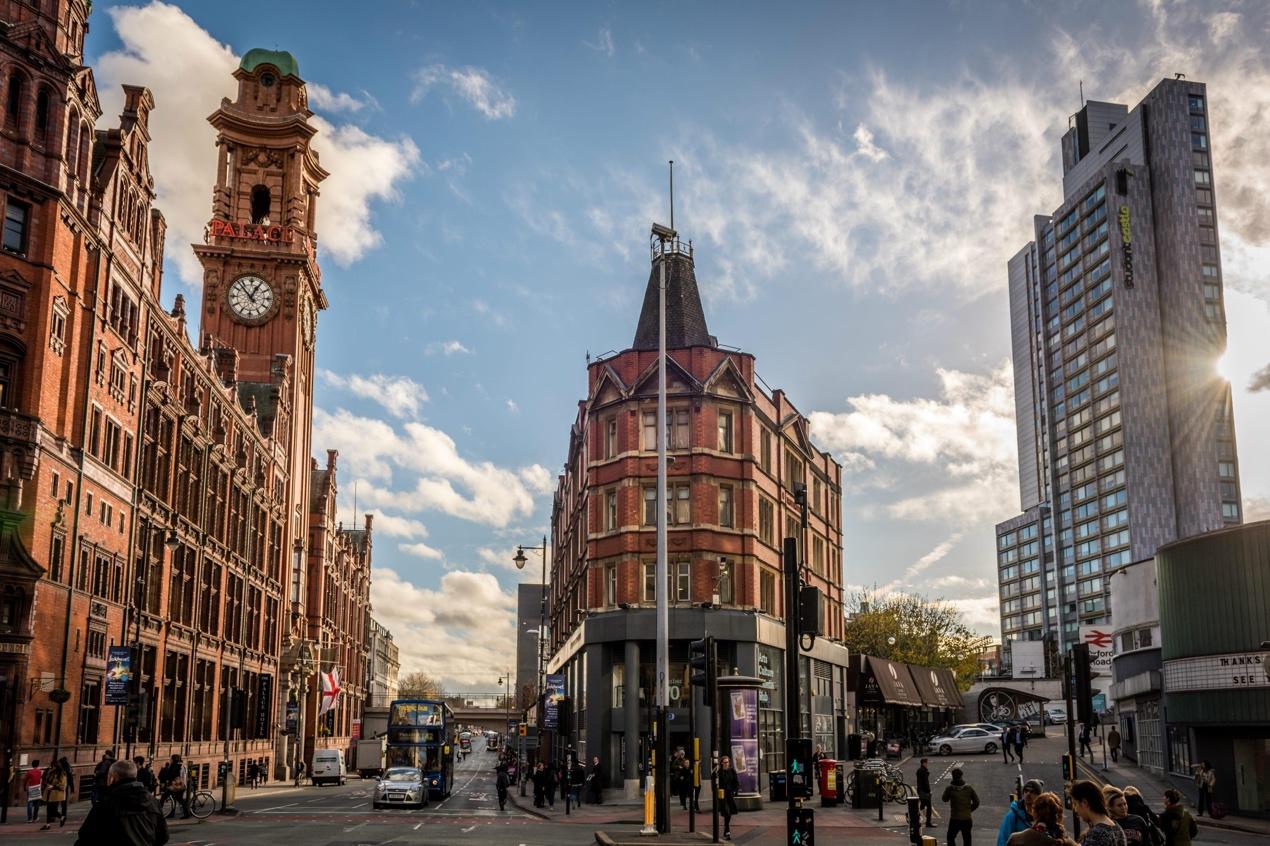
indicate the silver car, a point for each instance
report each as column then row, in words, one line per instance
column 400, row 787
column 970, row 739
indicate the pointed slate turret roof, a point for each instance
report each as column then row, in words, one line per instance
column 685, row 319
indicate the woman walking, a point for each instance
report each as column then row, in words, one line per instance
column 55, row 785
column 1091, row 807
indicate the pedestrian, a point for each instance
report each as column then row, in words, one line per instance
column 1113, row 743
column 577, row 781
column 1007, row 746
column 540, row 786
column 502, row 781
column 595, row 782
column 174, row 778
column 299, row 773
column 1178, row 824
column 125, row 813
column 923, row 790
column 145, row 774
column 685, row 783
column 815, row 765
column 253, row 774
column 1020, row 740
column 33, row 781
column 1018, row 817
column 54, row 786
column 1138, row 805
column 1137, row 831
column 962, row 803
column 549, row 780
column 1091, row 807
column 100, row 773
column 1084, row 741
column 65, row 766
column 728, row 785
column 1205, row 780
column 1047, row 830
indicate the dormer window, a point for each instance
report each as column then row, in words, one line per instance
column 260, row 202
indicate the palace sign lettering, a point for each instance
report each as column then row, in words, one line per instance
column 251, row 231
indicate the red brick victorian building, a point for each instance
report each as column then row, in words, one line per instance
column 737, row 450
column 156, row 494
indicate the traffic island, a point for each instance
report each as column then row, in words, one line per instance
column 634, row 838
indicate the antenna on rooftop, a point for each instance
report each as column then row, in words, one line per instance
column 354, row 523
column 1082, row 93
column 672, row 193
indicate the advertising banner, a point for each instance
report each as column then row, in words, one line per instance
column 743, row 721
column 293, row 717
column 553, row 696
column 118, row 675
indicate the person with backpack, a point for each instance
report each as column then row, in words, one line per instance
column 54, row 785
column 1178, row 824
column 1018, row 817
column 125, row 813
column 33, row 781
column 1139, row 807
column 1047, row 830
column 962, row 804
column 175, row 779
column 1137, row 831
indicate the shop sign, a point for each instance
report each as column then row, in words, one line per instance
column 1101, row 648
column 251, row 231
column 264, row 705
column 1126, row 245
column 1233, row 671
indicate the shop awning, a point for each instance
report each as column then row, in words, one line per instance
column 937, row 686
column 894, row 682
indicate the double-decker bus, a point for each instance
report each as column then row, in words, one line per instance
column 418, row 736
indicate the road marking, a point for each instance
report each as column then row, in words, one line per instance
column 361, row 804
column 276, row 807
column 416, row 828
column 469, row 828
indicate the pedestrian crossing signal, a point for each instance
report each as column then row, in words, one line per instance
column 1069, row 771
column 524, row 729
column 801, row 825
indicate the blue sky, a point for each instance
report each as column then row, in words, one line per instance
column 855, row 178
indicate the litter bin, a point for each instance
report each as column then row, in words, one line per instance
column 868, row 789
column 828, row 784
column 776, row 786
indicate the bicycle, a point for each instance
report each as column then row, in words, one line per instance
column 202, row 804
column 891, row 779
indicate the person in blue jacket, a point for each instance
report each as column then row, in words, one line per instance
column 1019, row 816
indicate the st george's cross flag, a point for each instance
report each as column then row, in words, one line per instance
column 330, row 691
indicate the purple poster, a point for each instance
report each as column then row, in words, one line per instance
column 743, row 714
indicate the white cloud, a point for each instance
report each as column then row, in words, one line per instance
column 513, row 407
column 416, row 468
column 398, row 527
column 447, row 348
column 459, row 633
column 865, row 146
column 325, row 100
column 921, row 565
column 421, row 550
column 603, row 42
column 471, row 84
column 189, row 71
column 981, row 613
column 967, row 436
column 400, row 395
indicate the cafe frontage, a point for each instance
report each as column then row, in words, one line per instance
column 900, row 701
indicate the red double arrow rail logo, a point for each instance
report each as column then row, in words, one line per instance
column 1098, row 638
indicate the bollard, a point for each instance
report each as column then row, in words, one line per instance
column 881, row 802
column 914, row 820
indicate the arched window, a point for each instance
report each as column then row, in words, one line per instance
column 13, row 102
column 260, row 203
column 42, row 113
column 72, row 142
column 85, row 137
column 11, row 354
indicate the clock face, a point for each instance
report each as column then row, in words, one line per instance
column 251, row 299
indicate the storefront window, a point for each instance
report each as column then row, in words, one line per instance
column 1180, row 751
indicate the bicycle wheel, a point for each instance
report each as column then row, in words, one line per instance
column 203, row 804
column 896, row 791
column 168, row 806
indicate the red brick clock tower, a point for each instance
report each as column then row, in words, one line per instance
column 261, row 282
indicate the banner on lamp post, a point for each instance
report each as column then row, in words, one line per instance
column 552, row 697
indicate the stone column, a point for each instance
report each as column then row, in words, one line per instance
column 630, row 720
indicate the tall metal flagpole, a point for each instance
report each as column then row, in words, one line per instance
column 662, row 747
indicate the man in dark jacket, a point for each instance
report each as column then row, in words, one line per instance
column 962, row 803
column 145, row 775
column 125, row 813
column 502, row 782
column 923, row 790
column 728, row 785
column 101, row 774
column 595, row 782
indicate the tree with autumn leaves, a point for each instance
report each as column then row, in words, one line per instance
column 908, row 628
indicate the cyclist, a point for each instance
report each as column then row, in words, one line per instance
column 175, row 778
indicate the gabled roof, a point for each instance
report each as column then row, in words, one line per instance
column 673, row 369
column 727, row 372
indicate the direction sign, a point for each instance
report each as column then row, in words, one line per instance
column 1101, row 648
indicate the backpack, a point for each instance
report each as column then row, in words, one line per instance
column 1190, row 824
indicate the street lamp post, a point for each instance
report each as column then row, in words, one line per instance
column 519, row 560
column 139, row 602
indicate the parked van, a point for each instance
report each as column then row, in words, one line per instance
column 328, row 766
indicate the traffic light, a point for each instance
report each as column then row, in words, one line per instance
column 1069, row 769
column 811, row 612
column 1084, row 692
column 701, row 658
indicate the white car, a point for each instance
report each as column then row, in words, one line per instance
column 400, row 786
column 971, row 739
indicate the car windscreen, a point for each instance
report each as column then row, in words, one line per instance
column 401, row 775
